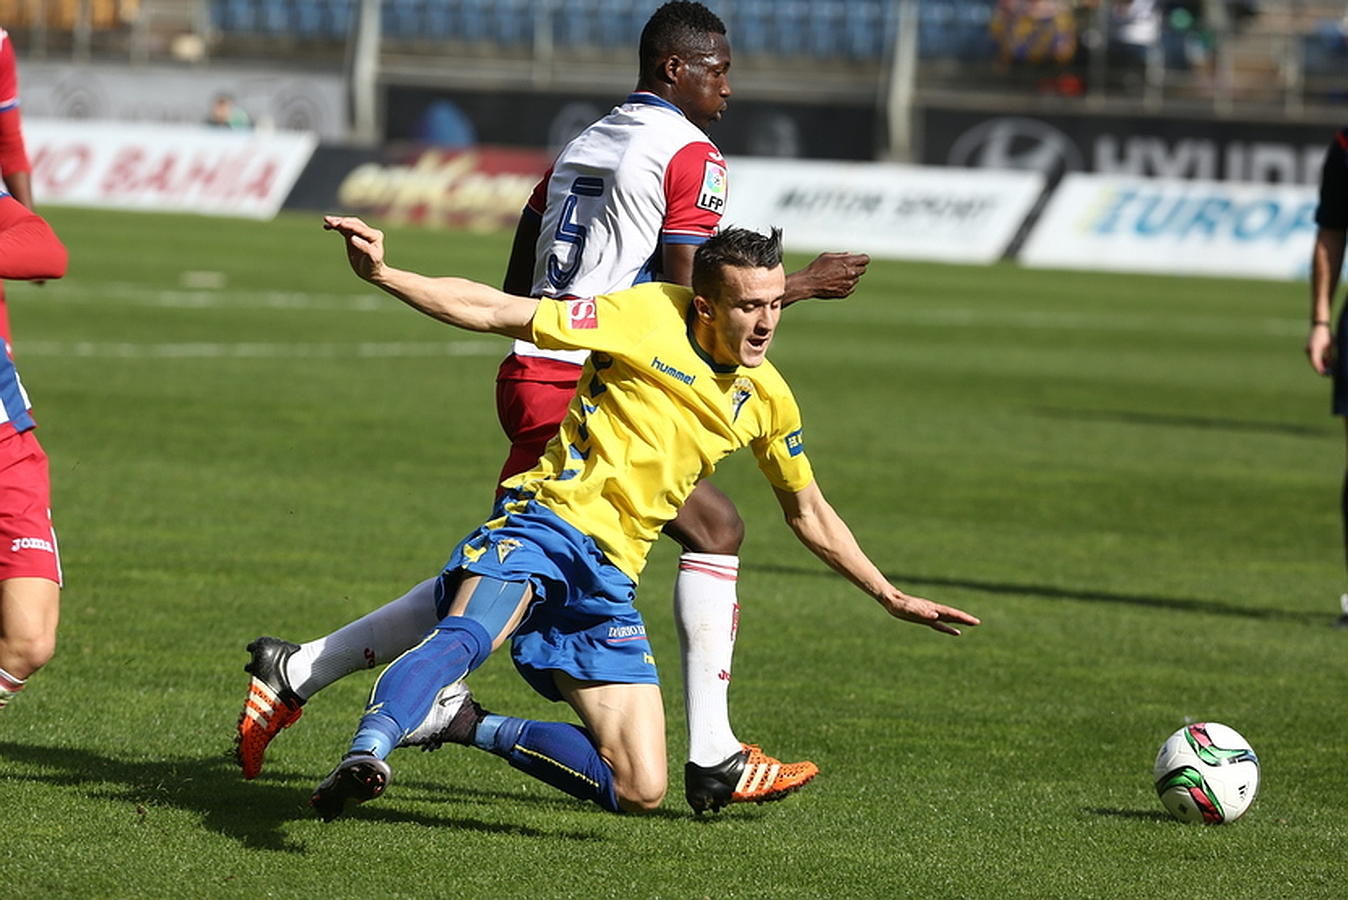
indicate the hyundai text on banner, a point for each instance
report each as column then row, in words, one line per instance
column 1171, row 226
column 896, row 211
column 177, row 168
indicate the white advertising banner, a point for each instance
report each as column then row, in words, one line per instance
column 1175, row 227
column 886, row 210
column 165, row 168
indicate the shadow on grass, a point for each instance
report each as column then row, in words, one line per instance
column 1204, row 422
column 1179, row 604
column 254, row 813
column 1142, row 814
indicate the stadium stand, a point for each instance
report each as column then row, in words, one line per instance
column 1289, row 53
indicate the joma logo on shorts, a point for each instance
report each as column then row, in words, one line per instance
column 30, row 544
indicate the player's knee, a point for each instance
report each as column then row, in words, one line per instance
column 640, row 792
column 725, row 535
column 710, row 528
column 24, row 655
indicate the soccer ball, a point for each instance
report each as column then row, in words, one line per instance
column 1206, row 773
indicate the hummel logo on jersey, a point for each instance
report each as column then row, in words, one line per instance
column 666, row 369
column 31, row 544
column 583, row 313
column 713, row 193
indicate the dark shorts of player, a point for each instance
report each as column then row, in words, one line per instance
column 1339, row 371
column 532, row 394
column 584, row 621
column 27, row 540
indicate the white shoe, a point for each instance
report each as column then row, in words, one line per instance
column 452, row 719
column 1343, row 612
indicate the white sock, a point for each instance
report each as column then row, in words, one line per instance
column 372, row 640
column 9, row 687
column 707, row 612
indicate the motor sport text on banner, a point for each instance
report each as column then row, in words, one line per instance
column 896, row 211
column 1172, row 226
column 179, row 168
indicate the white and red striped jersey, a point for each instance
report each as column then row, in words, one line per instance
column 13, row 154
column 9, row 74
column 639, row 178
column 28, row 250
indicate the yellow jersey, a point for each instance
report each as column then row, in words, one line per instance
column 653, row 414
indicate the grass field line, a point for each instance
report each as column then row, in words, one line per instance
column 130, row 293
column 1094, row 321
column 896, row 312
column 258, row 350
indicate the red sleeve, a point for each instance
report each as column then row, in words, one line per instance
column 29, row 249
column 695, row 194
column 538, row 200
column 13, row 156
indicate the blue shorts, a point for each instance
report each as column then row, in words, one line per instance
column 583, row 620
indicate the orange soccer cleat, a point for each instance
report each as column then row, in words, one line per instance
column 750, row 776
column 270, row 705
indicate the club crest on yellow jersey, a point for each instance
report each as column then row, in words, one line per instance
column 740, row 393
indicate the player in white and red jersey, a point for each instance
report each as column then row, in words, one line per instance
column 14, row 166
column 15, row 170
column 642, row 179
column 627, row 201
column 30, row 569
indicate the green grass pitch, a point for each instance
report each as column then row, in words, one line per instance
column 1133, row 480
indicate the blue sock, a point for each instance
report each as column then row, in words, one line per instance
column 406, row 689
column 555, row 753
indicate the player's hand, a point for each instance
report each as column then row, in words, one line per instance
column 364, row 245
column 1320, row 348
column 920, row 611
column 835, row 275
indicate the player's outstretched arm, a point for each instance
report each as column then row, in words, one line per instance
column 830, row 276
column 821, row 529
column 1326, row 262
column 29, row 249
column 457, row 301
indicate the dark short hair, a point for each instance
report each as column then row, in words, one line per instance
column 741, row 248
column 678, row 27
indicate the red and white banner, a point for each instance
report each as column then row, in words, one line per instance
column 165, row 168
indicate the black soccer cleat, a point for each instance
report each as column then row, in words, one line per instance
column 270, row 706
column 358, row 778
column 750, row 776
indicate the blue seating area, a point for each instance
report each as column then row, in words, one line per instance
column 846, row 30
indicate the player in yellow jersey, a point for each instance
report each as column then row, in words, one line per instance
column 676, row 380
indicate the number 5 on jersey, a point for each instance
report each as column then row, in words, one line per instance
column 571, row 231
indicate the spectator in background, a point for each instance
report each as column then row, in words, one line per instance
column 1192, row 27
column 225, row 113
column 14, row 166
column 1039, row 36
column 1134, row 29
column 1326, row 346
